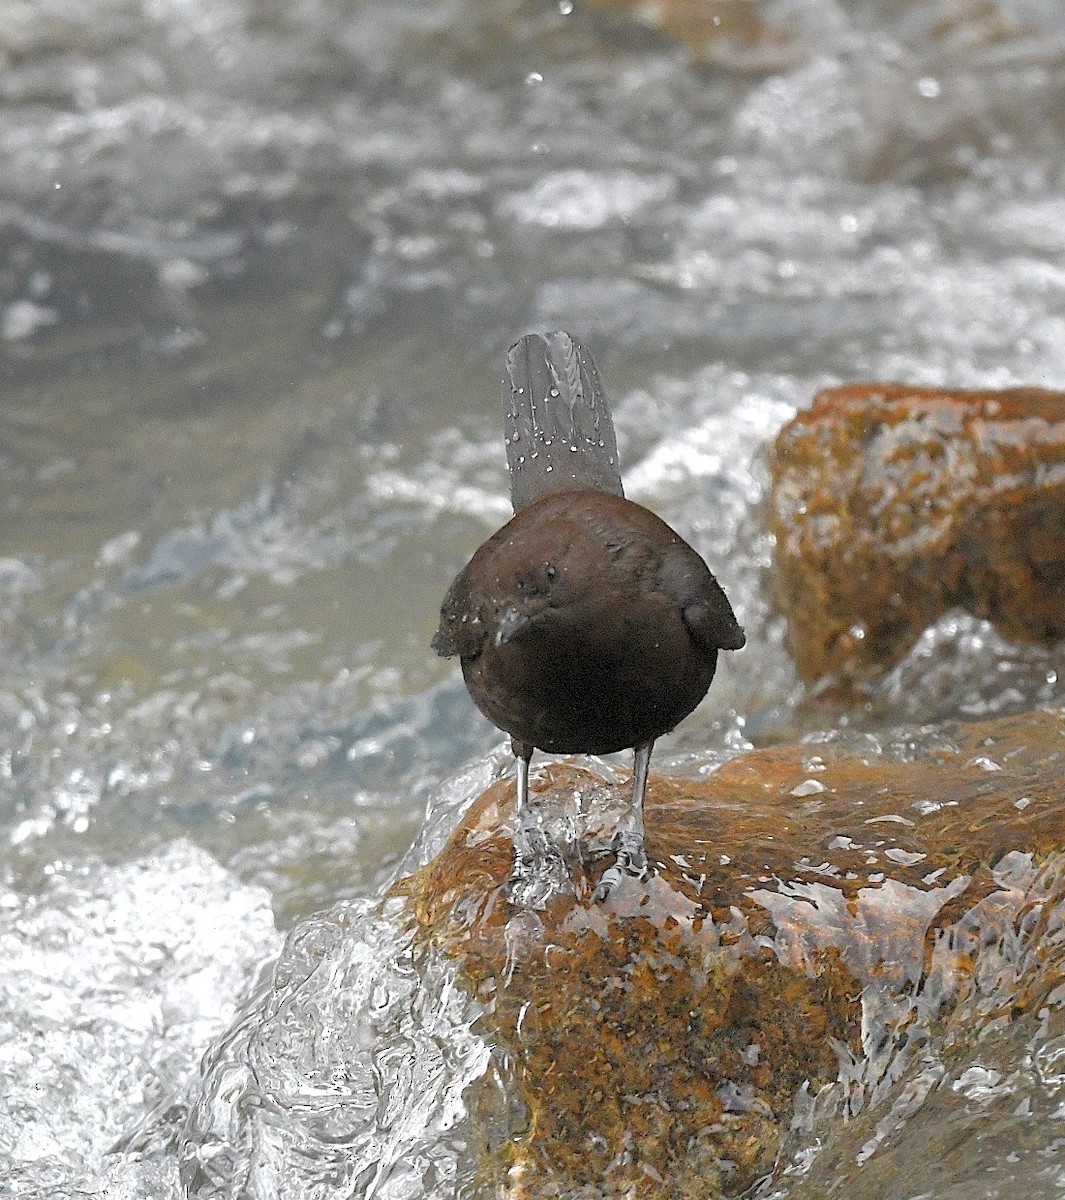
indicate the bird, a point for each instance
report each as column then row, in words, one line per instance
column 585, row 625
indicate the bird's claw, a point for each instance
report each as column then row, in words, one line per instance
column 539, row 872
column 630, row 862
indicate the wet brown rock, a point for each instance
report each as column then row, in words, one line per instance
column 892, row 504
column 818, row 916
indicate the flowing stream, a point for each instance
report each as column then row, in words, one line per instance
column 260, row 261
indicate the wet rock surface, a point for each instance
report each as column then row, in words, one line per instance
column 893, row 504
column 825, row 924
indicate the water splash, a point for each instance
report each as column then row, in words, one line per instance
column 111, row 982
column 357, row 1072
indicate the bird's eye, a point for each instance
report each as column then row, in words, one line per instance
column 550, row 571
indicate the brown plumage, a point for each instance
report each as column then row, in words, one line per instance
column 586, row 624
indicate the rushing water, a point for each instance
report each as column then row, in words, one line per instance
column 259, row 262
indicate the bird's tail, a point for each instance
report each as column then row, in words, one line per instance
column 558, row 429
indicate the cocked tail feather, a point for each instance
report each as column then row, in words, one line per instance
column 558, row 430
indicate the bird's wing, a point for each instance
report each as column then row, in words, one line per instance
column 461, row 630
column 704, row 606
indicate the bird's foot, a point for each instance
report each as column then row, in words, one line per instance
column 540, row 870
column 630, row 862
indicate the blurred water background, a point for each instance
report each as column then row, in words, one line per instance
column 259, row 264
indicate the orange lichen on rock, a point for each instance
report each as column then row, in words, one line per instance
column 892, row 504
column 808, row 908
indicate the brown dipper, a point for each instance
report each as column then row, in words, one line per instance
column 585, row 625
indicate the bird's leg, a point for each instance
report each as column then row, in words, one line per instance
column 630, row 853
column 523, row 753
column 641, row 769
column 524, row 839
column 540, row 871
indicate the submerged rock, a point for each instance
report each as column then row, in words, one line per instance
column 891, row 505
column 841, row 920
